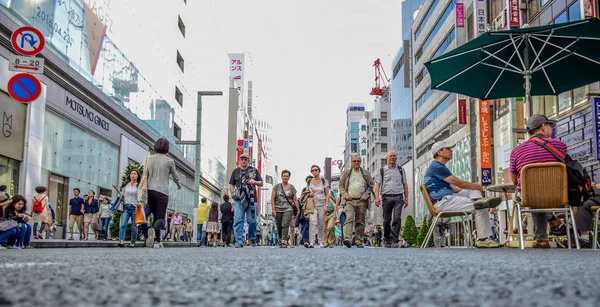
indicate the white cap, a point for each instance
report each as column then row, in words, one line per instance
column 439, row 146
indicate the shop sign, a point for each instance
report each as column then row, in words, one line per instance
column 240, row 151
column 481, row 20
column 12, row 138
column 376, row 130
column 514, row 13
column 597, row 126
column 460, row 15
column 485, row 142
column 86, row 113
column 462, row 111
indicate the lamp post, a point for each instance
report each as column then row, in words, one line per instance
column 198, row 170
column 267, row 215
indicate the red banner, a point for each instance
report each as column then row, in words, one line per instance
column 514, row 14
column 240, row 151
column 259, row 167
column 462, row 112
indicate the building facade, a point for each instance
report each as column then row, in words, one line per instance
column 354, row 113
column 96, row 114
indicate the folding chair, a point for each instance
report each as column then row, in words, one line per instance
column 596, row 211
column 442, row 214
column 544, row 188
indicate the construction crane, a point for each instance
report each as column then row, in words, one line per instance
column 381, row 80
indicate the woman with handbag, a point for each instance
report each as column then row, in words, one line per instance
column 16, row 211
column 129, row 193
column 90, row 214
column 154, row 188
column 284, row 206
column 39, row 212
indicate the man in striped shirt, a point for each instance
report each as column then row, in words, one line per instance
column 529, row 152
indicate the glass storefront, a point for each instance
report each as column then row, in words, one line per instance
column 74, row 158
column 9, row 174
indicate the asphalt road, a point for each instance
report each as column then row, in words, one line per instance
column 264, row 276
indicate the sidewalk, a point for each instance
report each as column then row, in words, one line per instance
column 63, row 243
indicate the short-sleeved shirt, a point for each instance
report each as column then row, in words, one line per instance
column 239, row 178
column 318, row 190
column 394, row 180
column 281, row 204
column 530, row 152
column 76, row 204
column 356, row 186
column 434, row 181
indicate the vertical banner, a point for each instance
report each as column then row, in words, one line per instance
column 406, row 64
column 597, row 126
column 514, row 14
column 376, row 130
column 588, row 8
column 259, row 167
column 240, row 151
column 236, row 69
column 485, row 142
column 362, row 140
column 96, row 30
column 460, row 15
column 462, row 111
column 480, row 19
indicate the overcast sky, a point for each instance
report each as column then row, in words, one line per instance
column 308, row 59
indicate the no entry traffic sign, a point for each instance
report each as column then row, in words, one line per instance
column 27, row 41
column 24, row 88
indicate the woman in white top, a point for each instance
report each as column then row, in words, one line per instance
column 105, row 215
column 159, row 169
column 129, row 195
column 319, row 191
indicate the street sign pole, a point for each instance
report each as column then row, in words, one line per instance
column 23, row 87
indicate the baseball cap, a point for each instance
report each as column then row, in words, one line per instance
column 536, row 121
column 439, row 146
column 247, row 156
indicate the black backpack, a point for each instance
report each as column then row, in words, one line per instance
column 580, row 185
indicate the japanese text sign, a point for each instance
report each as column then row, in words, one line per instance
column 236, row 69
column 485, row 140
column 514, row 13
column 460, row 15
column 597, row 126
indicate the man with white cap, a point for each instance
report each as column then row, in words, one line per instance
column 242, row 185
column 448, row 193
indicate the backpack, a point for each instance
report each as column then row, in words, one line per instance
column 580, row 185
column 37, row 205
column 400, row 169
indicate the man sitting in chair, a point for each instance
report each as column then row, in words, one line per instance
column 449, row 193
column 527, row 153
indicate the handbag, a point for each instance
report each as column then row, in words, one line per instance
column 8, row 224
column 143, row 186
column 288, row 200
column 140, row 215
column 117, row 205
column 97, row 227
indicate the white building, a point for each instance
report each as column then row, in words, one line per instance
column 354, row 113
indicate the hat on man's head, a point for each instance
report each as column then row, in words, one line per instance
column 247, row 156
column 537, row 120
column 439, row 146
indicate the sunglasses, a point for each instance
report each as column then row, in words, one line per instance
column 314, row 170
column 356, row 161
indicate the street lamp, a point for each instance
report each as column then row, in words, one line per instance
column 198, row 170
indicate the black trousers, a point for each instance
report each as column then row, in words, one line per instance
column 158, row 205
column 226, row 232
column 392, row 217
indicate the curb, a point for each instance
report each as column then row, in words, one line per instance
column 99, row 244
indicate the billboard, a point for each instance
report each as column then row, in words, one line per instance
column 236, row 69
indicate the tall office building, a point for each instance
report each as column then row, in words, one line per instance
column 354, row 113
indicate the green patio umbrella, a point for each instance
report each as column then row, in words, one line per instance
column 536, row 61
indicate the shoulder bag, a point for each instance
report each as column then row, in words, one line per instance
column 288, row 200
column 8, row 224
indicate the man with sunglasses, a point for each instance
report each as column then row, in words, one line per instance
column 245, row 178
column 356, row 186
column 448, row 193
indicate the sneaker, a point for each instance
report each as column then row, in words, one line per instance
column 150, row 239
column 486, row 203
column 305, row 244
column 360, row 246
column 330, row 245
column 12, row 247
column 348, row 243
column 239, row 246
column 252, row 243
column 320, row 245
column 487, row 243
column 158, row 245
column 2, row 247
column 325, row 246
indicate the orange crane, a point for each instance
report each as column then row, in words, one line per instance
column 378, row 90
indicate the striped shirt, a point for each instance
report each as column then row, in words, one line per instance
column 530, row 152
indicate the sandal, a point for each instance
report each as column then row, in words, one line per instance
column 71, row 239
column 131, row 245
column 121, row 244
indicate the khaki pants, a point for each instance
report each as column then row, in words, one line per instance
column 330, row 229
column 355, row 217
column 177, row 231
column 76, row 219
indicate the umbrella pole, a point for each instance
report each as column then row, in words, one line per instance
column 528, row 92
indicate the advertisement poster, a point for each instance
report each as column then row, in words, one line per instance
column 485, row 142
column 460, row 15
column 589, row 9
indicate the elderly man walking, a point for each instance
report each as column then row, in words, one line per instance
column 391, row 184
column 356, row 186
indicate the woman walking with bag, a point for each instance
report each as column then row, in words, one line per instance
column 319, row 191
column 90, row 216
column 105, row 215
column 284, row 205
column 39, row 212
column 154, row 188
column 129, row 194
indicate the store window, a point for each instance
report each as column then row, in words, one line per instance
column 565, row 101
column 9, row 174
column 544, row 105
column 562, row 18
column 575, row 11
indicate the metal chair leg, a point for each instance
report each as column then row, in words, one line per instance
column 574, row 228
column 430, row 232
column 568, row 229
column 520, row 227
column 595, row 236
